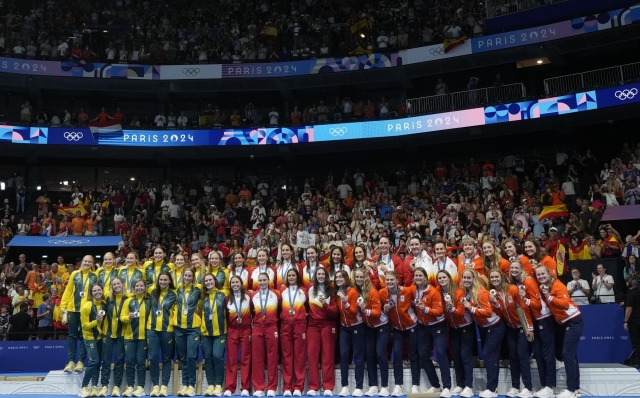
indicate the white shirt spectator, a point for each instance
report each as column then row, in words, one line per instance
column 343, row 190
column 606, row 295
column 111, row 54
column 182, row 121
column 561, row 157
column 383, row 41
column 273, row 117
column 578, row 295
column 174, row 211
column 160, row 120
column 358, row 178
column 18, row 50
column 568, row 188
column 455, row 31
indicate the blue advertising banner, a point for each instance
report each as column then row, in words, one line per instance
column 503, row 113
column 603, row 339
column 32, row 356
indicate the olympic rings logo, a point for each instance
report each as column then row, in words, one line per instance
column 68, row 241
column 338, row 131
column 624, row 337
column 583, row 337
column 436, row 51
column 190, row 71
column 73, row 136
column 626, row 94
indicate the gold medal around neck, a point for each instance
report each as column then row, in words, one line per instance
column 291, row 313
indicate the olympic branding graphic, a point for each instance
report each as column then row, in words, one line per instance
column 626, row 94
column 190, row 71
column 436, row 51
column 338, row 131
column 624, row 337
column 68, row 242
column 73, row 135
column 583, row 337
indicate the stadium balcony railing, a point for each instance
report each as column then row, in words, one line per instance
column 466, row 99
column 599, row 78
column 498, row 8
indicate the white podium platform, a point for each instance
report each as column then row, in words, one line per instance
column 595, row 380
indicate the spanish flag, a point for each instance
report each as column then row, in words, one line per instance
column 269, row 31
column 360, row 27
column 450, row 44
column 553, row 212
column 580, row 253
column 70, row 211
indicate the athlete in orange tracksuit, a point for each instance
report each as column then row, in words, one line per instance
column 264, row 339
column 321, row 332
column 398, row 307
column 351, row 332
column 293, row 333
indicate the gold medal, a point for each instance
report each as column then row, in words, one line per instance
column 264, row 317
column 291, row 313
column 239, row 320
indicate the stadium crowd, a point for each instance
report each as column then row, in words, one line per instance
column 536, row 212
column 195, row 31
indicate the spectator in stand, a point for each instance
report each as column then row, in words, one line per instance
column 273, row 117
column 83, row 117
column 20, row 324
column 25, row 112
column 160, row 120
column 19, row 51
column 578, row 288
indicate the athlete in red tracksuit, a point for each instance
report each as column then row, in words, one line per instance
column 264, row 339
column 238, row 338
column 293, row 333
column 262, row 266
column 321, row 332
column 308, row 269
column 360, row 262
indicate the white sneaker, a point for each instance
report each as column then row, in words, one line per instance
column 445, row 393
column 328, row 393
column 384, row 392
column 344, row 392
column 466, row 393
column 431, row 390
column 312, row 393
column 560, row 365
column 566, row 394
column 244, row 393
column 357, row 393
column 258, row 393
column 271, row 393
column 435, row 363
column 398, row 391
column 456, row 390
column 512, row 392
column 286, row 394
column 227, row 393
column 545, row 393
column 533, row 363
column 372, row 391
column 297, row 393
column 415, row 389
column 488, row 394
column 525, row 393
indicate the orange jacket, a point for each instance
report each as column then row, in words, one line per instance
column 560, row 303
column 457, row 317
column 550, row 263
column 372, row 314
column 507, row 308
column 533, row 300
column 401, row 313
column 504, row 266
column 475, row 264
column 349, row 310
column 433, row 312
column 483, row 311
column 526, row 264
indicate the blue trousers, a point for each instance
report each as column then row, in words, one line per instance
column 573, row 331
column 75, row 336
column 434, row 336
column 352, row 337
column 376, row 342
column 399, row 339
column 544, row 349
column 519, row 358
column 463, row 341
column 157, row 343
column 491, row 342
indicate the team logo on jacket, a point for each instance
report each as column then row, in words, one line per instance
column 402, row 299
column 333, row 330
column 510, row 299
column 275, row 334
column 304, row 336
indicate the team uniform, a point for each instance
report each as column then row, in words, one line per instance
column 377, row 331
column 321, row 333
column 92, row 332
column 308, row 272
column 293, row 338
column 213, row 331
column 351, row 336
column 474, row 263
column 105, row 276
column 76, row 295
column 130, row 275
column 238, row 339
column 393, row 263
column 256, row 271
column 160, row 336
column 440, row 264
column 153, row 269
column 135, row 342
column 186, row 332
column 422, row 260
column 113, row 339
column 264, row 339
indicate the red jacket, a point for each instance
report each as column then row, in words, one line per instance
column 398, row 267
column 271, row 308
column 297, row 297
column 321, row 315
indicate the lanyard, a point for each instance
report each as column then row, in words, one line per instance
column 84, row 282
column 213, row 304
column 391, row 299
column 235, row 304
column 283, row 272
column 444, row 264
column 263, row 306
column 185, row 299
column 292, row 301
column 239, row 273
column 179, row 277
column 128, row 278
column 119, row 310
column 161, row 305
column 107, row 277
column 418, row 293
